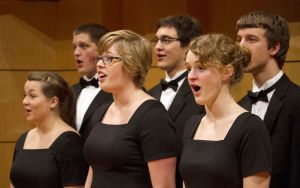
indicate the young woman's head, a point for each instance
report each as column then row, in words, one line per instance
column 214, row 61
column 130, row 49
column 46, row 92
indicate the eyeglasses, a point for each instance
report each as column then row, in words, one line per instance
column 107, row 60
column 164, row 40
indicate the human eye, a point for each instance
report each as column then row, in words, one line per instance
column 154, row 41
column 238, row 39
column 98, row 58
column 252, row 39
column 108, row 59
column 83, row 46
column 188, row 67
column 201, row 67
column 166, row 40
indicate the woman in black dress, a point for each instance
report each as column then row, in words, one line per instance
column 49, row 155
column 228, row 146
column 133, row 142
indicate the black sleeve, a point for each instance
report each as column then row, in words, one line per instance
column 255, row 147
column 71, row 163
column 157, row 134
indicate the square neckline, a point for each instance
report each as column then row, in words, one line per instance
column 138, row 109
column 231, row 129
column 50, row 146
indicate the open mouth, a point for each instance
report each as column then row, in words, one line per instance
column 78, row 61
column 101, row 75
column 196, row 88
column 27, row 110
column 160, row 56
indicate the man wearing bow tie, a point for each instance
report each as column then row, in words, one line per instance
column 171, row 43
column 88, row 94
column 274, row 98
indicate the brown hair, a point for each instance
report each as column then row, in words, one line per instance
column 220, row 50
column 135, row 50
column 54, row 85
column 276, row 29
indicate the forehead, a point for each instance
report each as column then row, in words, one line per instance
column 113, row 49
column 260, row 32
column 191, row 57
column 33, row 85
column 167, row 31
column 82, row 37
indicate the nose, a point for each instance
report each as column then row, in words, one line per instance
column 242, row 42
column 25, row 101
column 100, row 64
column 192, row 75
column 159, row 45
column 76, row 51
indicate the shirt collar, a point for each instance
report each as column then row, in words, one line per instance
column 268, row 83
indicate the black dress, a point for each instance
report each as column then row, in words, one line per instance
column 245, row 150
column 118, row 154
column 62, row 164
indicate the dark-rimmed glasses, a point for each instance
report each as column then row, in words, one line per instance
column 107, row 60
column 164, row 40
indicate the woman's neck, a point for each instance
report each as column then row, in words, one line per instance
column 52, row 122
column 223, row 106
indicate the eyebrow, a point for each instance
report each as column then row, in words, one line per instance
column 165, row 36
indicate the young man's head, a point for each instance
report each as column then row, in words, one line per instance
column 266, row 35
column 85, row 41
column 173, row 36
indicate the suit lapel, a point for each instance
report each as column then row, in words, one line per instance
column 245, row 103
column 179, row 102
column 156, row 92
column 275, row 103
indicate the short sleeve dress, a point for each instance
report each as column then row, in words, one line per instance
column 61, row 165
column 118, row 154
column 245, row 150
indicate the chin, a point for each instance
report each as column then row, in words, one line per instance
column 199, row 101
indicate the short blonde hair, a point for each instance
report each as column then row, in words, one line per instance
column 220, row 50
column 135, row 51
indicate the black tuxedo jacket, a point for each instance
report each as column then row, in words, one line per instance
column 183, row 106
column 182, row 109
column 101, row 98
column 282, row 120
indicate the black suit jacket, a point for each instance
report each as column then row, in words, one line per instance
column 182, row 109
column 100, row 99
column 282, row 120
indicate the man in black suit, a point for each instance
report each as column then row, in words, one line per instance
column 89, row 95
column 171, row 43
column 274, row 97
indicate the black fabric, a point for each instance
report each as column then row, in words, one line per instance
column 61, row 165
column 245, row 150
column 93, row 82
column 101, row 98
column 118, row 154
column 283, row 123
column 261, row 95
column 181, row 110
column 173, row 83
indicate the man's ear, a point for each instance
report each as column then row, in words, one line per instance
column 275, row 49
column 228, row 72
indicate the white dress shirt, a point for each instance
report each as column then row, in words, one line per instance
column 168, row 95
column 84, row 100
column 260, row 107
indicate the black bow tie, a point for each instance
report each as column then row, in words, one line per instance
column 93, row 82
column 261, row 95
column 173, row 84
